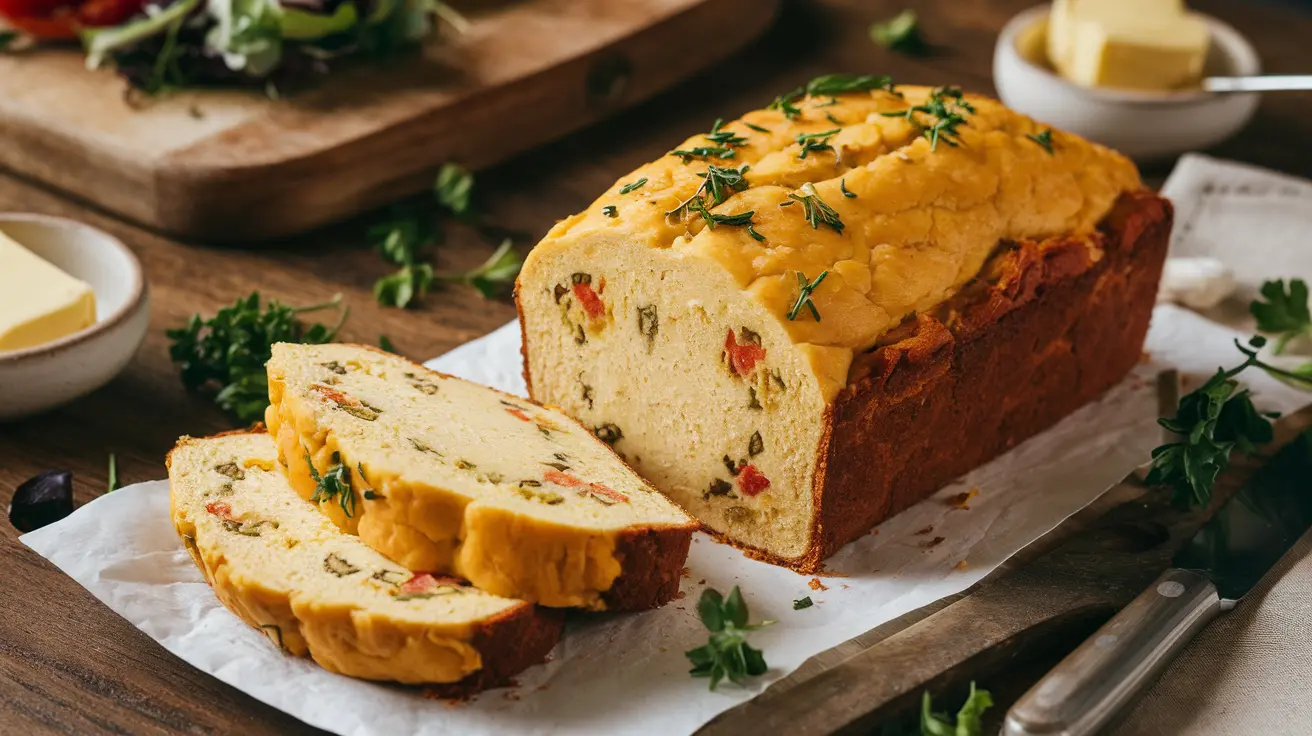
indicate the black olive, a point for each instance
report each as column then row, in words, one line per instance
column 42, row 499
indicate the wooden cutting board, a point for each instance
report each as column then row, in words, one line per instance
column 231, row 166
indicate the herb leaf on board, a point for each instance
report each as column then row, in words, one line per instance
column 900, row 33
column 727, row 653
column 970, row 721
column 454, row 189
column 225, row 354
column 1284, row 312
column 497, row 271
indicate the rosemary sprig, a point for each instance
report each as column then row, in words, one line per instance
column 945, row 108
column 335, row 483
column 703, row 153
column 842, row 187
column 740, row 219
column 837, row 84
column 724, row 137
column 815, row 142
column 784, row 104
column 805, row 289
column 633, row 186
column 830, row 117
column 1043, row 139
column 756, row 128
column 815, row 209
column 718, row 183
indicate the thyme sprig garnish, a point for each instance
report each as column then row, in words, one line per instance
column 225, row 354
column 944, row 108
column 727, row 653
column 633, row 186
column 724, row 137
column 1043, row 139
column 815, row 210
column 805, row 289
column 1212, row 421
column 335, row 483
column 815, row 142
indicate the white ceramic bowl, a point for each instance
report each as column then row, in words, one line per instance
column 44, row 376
column 1143, row 125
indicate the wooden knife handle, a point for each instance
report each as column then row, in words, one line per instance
column 1107, row 671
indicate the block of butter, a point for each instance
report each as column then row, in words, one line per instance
column 1139, row 44
column 38, row 302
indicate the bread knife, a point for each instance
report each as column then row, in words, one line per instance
column 1209, row 575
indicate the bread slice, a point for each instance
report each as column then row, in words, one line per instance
column 442, row 474
column 288, row 571
column 684, row 314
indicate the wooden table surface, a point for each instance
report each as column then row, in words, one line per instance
column 69, row 665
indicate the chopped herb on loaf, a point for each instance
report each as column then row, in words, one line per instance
column 333, row 484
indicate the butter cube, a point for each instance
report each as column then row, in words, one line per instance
column 1144, row 44
column 38, row 302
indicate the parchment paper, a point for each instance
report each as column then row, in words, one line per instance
column 626, row 674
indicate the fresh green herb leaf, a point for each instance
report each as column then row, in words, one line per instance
column 805, row 289
column 497, row 271
column 1211, row 422
column 815, row 142
column 837, row 84
column 7, row 38
column 703, row 153
column 899, row 33
column 815, row 209
column 784, row 104
column 335, row 483
column 830, row 117
column 400, row 288
column 385, row 343
column 724, row 137
column 756, row 128
column 945, row 108
column 727, row 653
column 610, row 211
column 842, row 187
column 1284, row 313
column 113, row 474
column 718, row 183
column 225, row 354
column 970, row 721
column 633, row 186
column 1043, row 139
column 803, row 603
column 832, row 101
column 455, row 189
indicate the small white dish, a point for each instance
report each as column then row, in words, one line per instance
column 42, row 377
column 1143, row 125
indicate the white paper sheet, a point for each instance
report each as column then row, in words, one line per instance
column 626, row 674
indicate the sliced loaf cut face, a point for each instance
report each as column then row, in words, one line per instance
column 285, row 569
column 445, row 475
column 683, row 315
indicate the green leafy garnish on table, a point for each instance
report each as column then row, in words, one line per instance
column 1283, row 311
column 454, row 189
column 1212, row 421
column 225, row 354
column 497, row 272
column 727, row 654
column 970, row 719
column 899, row 33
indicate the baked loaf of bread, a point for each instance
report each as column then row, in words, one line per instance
column 806, row 320
column 285, row 569
column 444, row 475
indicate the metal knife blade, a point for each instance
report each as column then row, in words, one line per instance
column 1255, row 528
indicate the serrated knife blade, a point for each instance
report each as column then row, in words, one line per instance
column 1228, row 555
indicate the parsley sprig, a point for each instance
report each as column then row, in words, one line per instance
column 497, row 271
column 805, row 289
column 815, row 142
column 815, row 210
column 225, row 354
column 970, row 719
column 944, row 110
column 399, row 241
column 1284, row 313
column 1213, row 421
column 335, row 483
column 727, row 654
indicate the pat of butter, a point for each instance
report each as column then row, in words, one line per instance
column 38, row 302
column 1139, row 44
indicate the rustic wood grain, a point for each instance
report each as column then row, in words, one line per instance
column 236, row 165
column 69, row 665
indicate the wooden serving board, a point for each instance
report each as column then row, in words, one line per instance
column 233, row 165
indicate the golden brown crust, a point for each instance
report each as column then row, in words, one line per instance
column 1054, row 332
